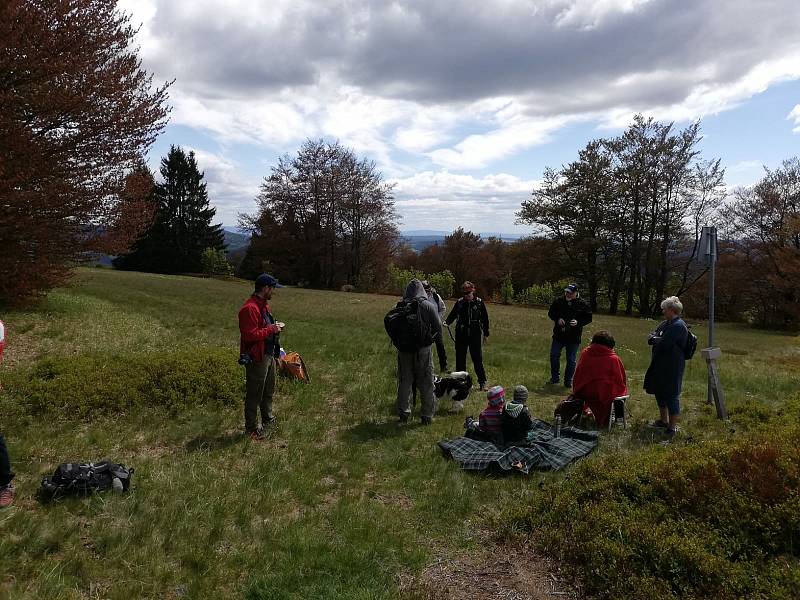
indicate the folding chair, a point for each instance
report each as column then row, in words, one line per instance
column 618, row 412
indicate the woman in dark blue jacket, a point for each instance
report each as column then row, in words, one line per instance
column 664, row 377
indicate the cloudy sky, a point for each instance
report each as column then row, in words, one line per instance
column 463, row 103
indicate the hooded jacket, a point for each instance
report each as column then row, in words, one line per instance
column 599, row 378
column 430, row 312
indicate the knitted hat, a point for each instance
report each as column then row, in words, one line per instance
column 520, row 394
column 496, row 396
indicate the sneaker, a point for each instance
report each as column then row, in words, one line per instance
column 671, row 433
column 404, row 417
column 7, row 495
column 257, row 435
column 425, row 420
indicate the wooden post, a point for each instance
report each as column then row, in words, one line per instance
column 711, row 355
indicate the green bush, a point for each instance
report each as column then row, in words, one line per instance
column 712, row 520
column 443, row 282
column 507, row 290
column 214, row 262
column 84, row 386
column 542, row 295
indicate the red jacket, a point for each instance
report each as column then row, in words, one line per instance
column 256, row 328
column 599, row 378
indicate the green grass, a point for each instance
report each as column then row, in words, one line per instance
column 340, row 501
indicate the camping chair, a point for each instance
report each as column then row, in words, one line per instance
column 618, row 408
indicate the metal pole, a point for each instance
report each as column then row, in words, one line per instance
column 712, row 248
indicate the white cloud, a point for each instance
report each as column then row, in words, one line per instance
column 228, row 190
column 795, row 116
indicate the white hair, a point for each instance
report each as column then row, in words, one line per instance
column 674, row 303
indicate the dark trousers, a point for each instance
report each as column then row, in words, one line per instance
column 441, row 352
column 555, row 361
column 6, row 475
column 474, row 344
column 260, row 387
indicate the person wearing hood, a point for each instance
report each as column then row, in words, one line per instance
column 414, row 365
column 600, row 377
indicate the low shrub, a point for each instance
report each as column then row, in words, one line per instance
column 542, row 295
column 712, row 520
column 87, row 385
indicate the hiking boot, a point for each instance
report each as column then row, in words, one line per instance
column 7, row 495
column 404, row 417
column 425, row 420
column 257, row 435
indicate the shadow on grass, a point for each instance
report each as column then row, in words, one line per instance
column 209, row 442
column 370, row 430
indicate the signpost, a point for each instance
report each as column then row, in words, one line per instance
column 708, row 249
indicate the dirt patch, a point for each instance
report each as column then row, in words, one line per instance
column 496, row 572
column 398, row 500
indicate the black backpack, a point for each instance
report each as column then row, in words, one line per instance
column 406, row 328
column 85, row 478
column 691, row 346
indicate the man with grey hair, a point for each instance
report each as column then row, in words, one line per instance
column 664, row 377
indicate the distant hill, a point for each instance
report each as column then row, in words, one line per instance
column 422, row 238
column 236, row 241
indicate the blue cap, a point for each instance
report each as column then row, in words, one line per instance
column 572, row 287
column 267, row 280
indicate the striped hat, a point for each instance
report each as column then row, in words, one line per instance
column 520, row 394
column 496, row 396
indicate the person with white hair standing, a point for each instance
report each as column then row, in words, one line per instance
column 664, row 376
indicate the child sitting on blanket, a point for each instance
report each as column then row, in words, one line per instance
column 488, row 428
column 516, row 419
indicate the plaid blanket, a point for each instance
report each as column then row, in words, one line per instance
column 544, row 451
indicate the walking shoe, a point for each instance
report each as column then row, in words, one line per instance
column 404, row 417
column 671, row 433
column 7, row 495
column 425, row 420
column 658, row 424
column 257, row 435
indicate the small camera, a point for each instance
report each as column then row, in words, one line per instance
column 244, row 359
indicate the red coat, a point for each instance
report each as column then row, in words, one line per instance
column 599, row 378
column 255, row 328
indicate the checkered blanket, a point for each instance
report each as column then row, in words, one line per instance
column 544, row 451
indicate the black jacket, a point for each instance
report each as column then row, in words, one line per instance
column 576, row 309
column 472, row 318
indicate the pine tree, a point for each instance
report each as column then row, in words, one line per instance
column 182, row 228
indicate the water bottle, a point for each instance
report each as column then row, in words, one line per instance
column 558, row 426
column 116, row 485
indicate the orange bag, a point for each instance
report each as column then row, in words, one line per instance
column 292, row 366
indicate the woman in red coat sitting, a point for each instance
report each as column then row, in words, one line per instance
column 600, row 376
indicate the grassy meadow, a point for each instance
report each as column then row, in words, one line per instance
column 340, row 501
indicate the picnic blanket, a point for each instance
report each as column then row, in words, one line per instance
column 544, row 451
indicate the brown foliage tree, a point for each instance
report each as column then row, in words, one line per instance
column 77, row 111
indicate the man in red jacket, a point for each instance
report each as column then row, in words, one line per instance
column 600, row 376
column 258, row 348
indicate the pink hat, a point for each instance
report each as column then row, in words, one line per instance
column 496, row 396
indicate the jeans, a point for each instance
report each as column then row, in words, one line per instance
column 555, row 361
column 415, row 369
column 260, row 387
column 671, row 403
column 6, row 475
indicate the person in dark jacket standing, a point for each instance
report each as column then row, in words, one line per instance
column 570, row 314
column 415, row 368
column 664, row 377
column 259, row 346
column 436, row 299
column 472, row 330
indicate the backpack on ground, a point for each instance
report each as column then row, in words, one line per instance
column 691, row 346
column 81, row 479
column 406, row 327
column 292, row 366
